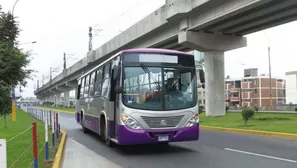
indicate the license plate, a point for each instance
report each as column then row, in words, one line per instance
column 163, row 138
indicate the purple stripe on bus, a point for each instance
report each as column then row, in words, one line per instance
column 111, row 130
column 91, row 123
column 155, row 50
column 132, row 137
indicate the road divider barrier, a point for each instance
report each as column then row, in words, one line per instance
column 253, row 132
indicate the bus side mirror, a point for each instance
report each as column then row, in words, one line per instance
column 118, row 89
column 202, row 77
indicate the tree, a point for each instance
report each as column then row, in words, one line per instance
column 247, row 113
column 13, row 61
column 5, row 105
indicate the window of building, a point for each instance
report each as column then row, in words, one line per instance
column 246, row 100
column 236, row 94
column 255, row 82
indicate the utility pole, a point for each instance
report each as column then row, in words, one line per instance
column 50, row 73
column 271, row 106
column 90, row 38
column 64, row 58
column 37, row 84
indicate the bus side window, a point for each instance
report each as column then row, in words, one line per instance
column 98, row 82
column 92, row 82
column 78, row 90
column 86, row 93
column 106, row 81
column 82, row 88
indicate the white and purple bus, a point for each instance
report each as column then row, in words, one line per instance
column 141, row 96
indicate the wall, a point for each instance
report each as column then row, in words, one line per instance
column 291, row 88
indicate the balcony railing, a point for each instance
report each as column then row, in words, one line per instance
column 234, row 99
column 234, row 90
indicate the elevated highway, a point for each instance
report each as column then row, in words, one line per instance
column 210, row 26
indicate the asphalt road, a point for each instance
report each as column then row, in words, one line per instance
column 213, row 150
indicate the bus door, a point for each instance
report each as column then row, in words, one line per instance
column 115, row 83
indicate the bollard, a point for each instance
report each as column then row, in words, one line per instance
column 57, row 125
column 34, row 138
column 53, row 130
column 46, row 139
column 42, row 115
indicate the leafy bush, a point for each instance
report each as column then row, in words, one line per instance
column 227, row 108
column 247, row 113
column 256, row 108
column 201, row 109
column 296, row 109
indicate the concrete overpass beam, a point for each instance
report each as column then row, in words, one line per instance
column 213, row 46
column 210, row 42
column 71, row 85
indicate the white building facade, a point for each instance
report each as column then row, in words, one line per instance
column 291, row 87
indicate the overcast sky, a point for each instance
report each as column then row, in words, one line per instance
column 61, row 26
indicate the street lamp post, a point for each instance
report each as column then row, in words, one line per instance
column 14, row 6
column 270, row 87
column 13, row 112
column 51, row 71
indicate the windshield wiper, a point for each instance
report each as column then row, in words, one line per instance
column 145, row 68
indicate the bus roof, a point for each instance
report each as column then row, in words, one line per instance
column 154, row 50
column 142, row 50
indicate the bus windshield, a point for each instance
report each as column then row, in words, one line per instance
column 164, row 87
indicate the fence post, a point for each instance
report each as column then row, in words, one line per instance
column 3, row 153
column 42, row 115
column 57, row 125
column 53, row 130
column 46, row 139
column 59, row 129
column 50, row 118
column 34, row 137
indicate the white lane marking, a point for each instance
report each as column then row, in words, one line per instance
column 260, row 155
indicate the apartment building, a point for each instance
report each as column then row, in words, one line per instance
column 254, row 90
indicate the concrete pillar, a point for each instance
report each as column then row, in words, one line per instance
column 66, row 99
column 58, row 99
column 214, row 83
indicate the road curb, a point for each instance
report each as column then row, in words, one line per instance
column 253, row 132
column 60, row 111
column 60, row 153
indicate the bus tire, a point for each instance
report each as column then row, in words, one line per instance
column 103, row 133
column 85, row 130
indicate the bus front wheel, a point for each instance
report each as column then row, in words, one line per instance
column 103, row 133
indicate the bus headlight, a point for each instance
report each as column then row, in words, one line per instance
column 130, row 122
column 193, row 120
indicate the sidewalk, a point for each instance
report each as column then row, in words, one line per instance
column 79, row 156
